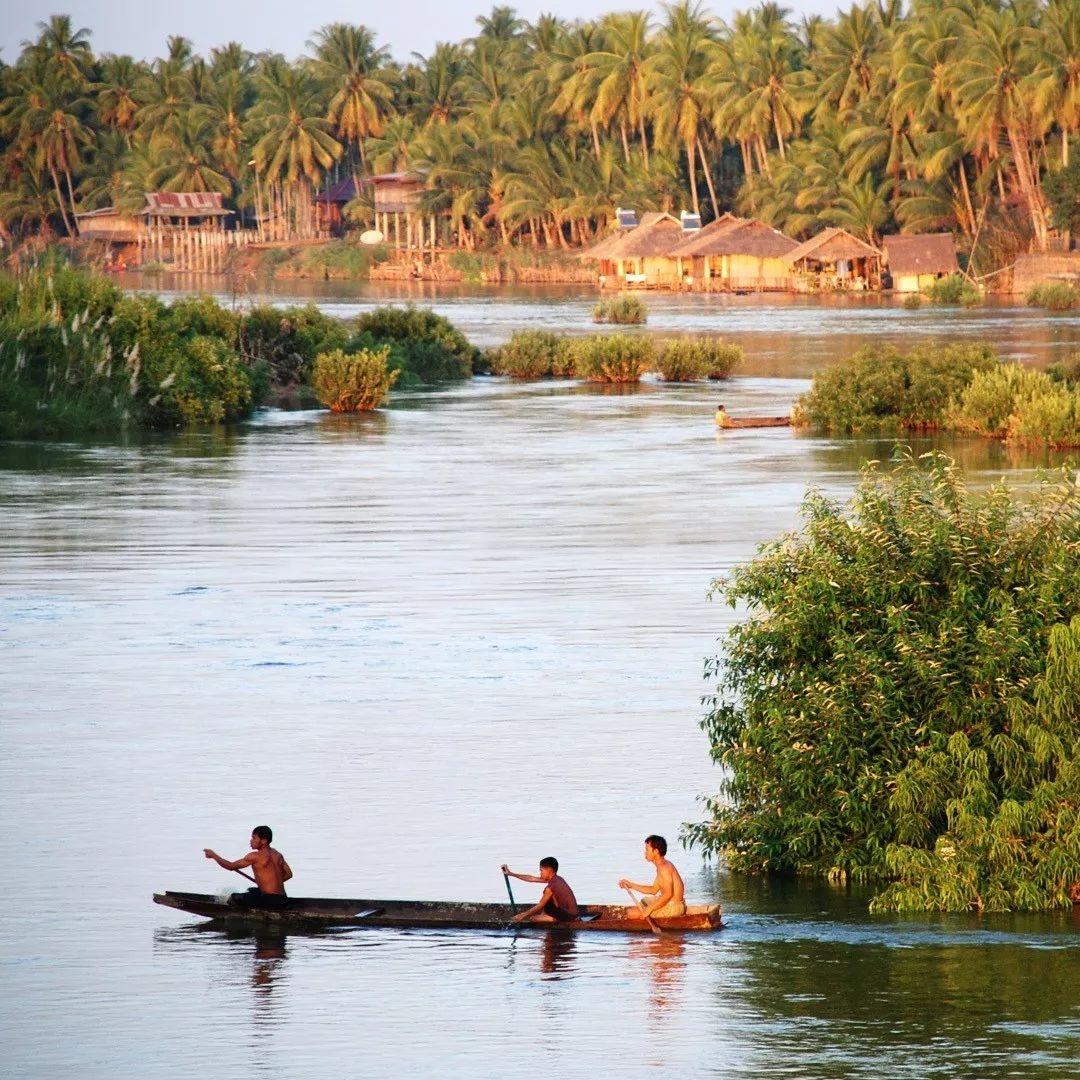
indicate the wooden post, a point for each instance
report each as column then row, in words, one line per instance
column 397, row 229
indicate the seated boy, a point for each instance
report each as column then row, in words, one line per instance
column 557, row 902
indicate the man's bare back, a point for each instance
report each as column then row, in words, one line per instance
column 667, row 888
column 268, row 866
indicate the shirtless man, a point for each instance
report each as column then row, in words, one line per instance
column 269, row 867
column 557, row 902
column 667, row 888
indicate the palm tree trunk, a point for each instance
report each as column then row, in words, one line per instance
column 60, row 199
column 1064, row 147
column 708, row 179
column 595, row 140
column 747, row 161
column 71, row 190
column 779, row 136
column 693, row 176
column 967, row 195
column 625, row 142
column 645, row 142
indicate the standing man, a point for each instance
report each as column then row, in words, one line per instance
column 667, row 886
column 557, row 902
column 269, row 867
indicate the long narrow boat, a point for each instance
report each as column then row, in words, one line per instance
column 430, row 914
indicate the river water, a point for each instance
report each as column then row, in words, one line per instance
column 466, row 630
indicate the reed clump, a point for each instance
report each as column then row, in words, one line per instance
column 612, row 358
column 352, row 382
column 622, row 310
column 1053, row 296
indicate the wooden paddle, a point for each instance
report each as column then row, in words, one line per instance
column 248, row 876
column 648, row 918
column 510, row 893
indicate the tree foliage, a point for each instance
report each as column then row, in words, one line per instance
column 900, row 705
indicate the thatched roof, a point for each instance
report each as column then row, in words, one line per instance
column 831, row 245
column 932, row 253
column 657, row 234
column 737, row 236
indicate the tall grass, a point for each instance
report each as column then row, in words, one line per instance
column 1054, row 296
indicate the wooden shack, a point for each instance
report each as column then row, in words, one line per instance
column 188, row 229
column 330, row 206
column 110, row 225
column 399, row 213
column 834, row 259
column 916, row 262
column 735, row 254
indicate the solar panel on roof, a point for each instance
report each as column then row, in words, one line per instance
column 627, row 218
column 690, row 222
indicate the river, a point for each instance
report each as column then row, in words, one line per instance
column 468, row 629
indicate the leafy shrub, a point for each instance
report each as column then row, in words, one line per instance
column 1066, row 371
column 900, row 706
column 1054, row 296
column 287, row 340
column 985, row 405
column 78, row 356
column 344, row 259
column 723, row 359
column 954, row 289
column 424, row 344
column 912, row 302
column 474, row 266
column 352, row 382
column 531, row 354
column 612, row 358
column 623, row 310
column 1049, row 419
column 881, row 390
column 683, row 359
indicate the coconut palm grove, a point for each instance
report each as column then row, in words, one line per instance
column 945, row 115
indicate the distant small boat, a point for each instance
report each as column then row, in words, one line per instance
column 424, row 914
column 724, row 420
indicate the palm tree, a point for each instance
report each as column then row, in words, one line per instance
column 861, row 208
column 992, row 70
column 65, row 52
column 434, row 85
column 115, row 92
column 186, row 159
column 622, row 89
column 349, row 65
column 502, row 24
column 678, row 88
column 850, row 60
column 1056, row 78
column 294, row 143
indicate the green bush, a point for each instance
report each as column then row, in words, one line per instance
column 352, row 382
column 612, row 358
column 1066, row 371
column 287, row 340
column 900, row 706
column 344, row 258
column 954, row 289
column 912, row 302
column 623, row 310
column 423, row 344
column 78, row 356
column 532, row 354
column 1054, row 296
column 474, row 266
column 881, row 390
column 985, row 405
column 1049, row 419
column 684, row 359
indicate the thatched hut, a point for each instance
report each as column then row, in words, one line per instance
column 834, row 259
column 640, row 256
column 330, row 204
column 735, row 254
column 916, row 262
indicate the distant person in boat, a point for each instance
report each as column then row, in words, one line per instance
column 557, row 902
column 723, row 419
column 269, row 867
column 667, row 889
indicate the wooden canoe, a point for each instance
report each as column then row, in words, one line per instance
column 424, row 914
column 727, row 422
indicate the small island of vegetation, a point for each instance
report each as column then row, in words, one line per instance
column 900, row 707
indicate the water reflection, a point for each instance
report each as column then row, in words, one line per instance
column 557, row 954
column 661, row 956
